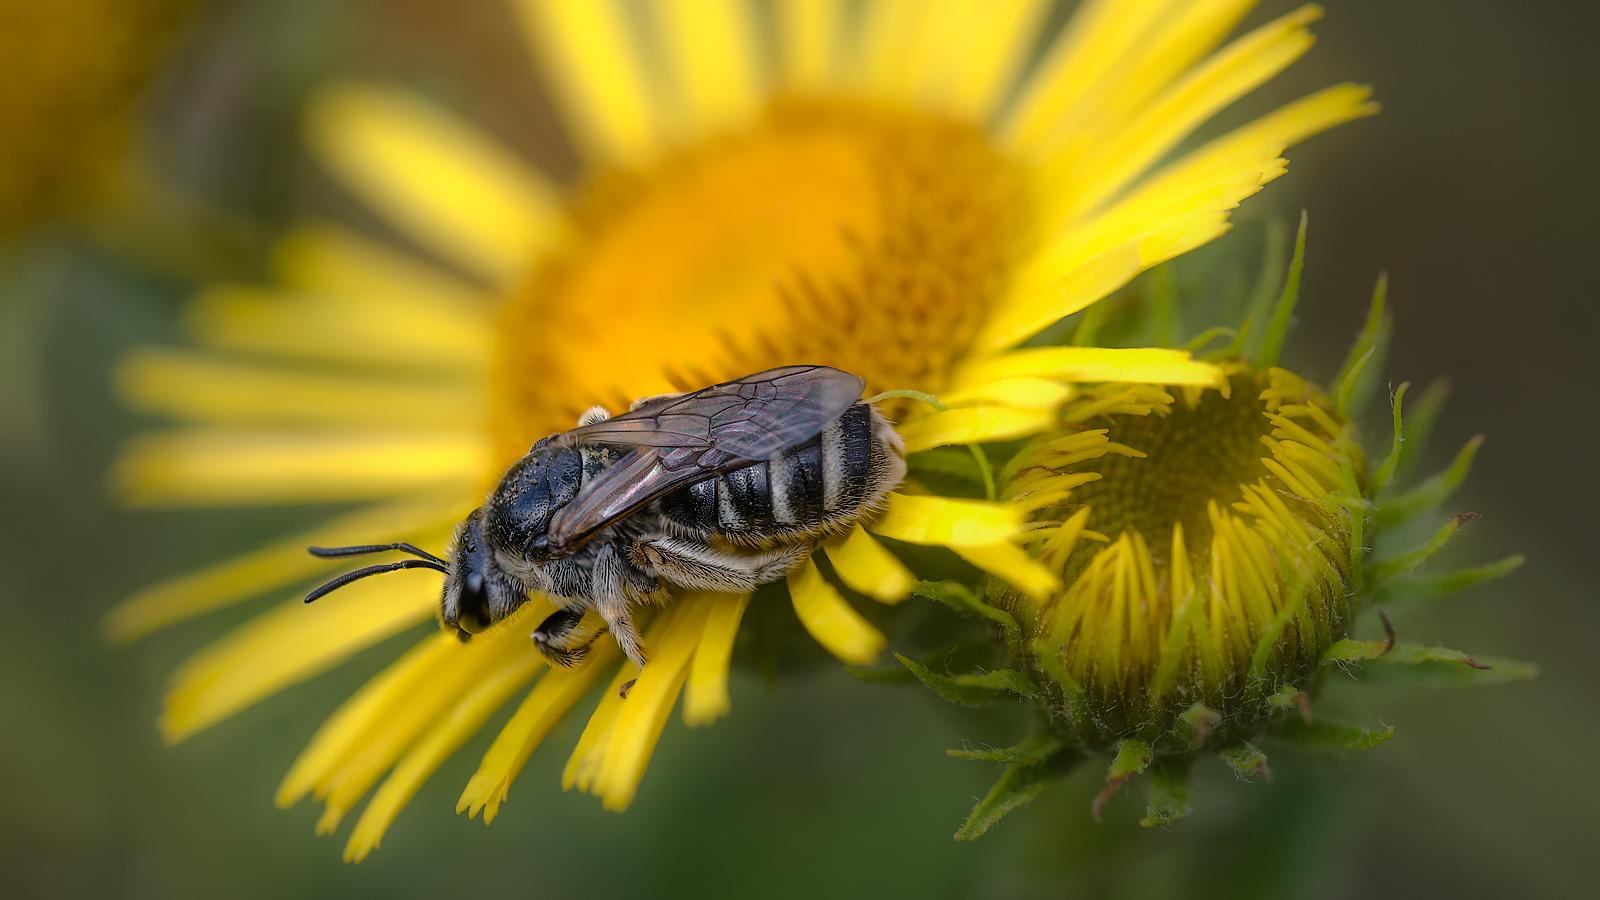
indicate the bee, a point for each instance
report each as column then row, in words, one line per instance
column 721, row 489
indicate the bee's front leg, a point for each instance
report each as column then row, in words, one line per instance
column 564, row 637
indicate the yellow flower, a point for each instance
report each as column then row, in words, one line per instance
column 904, row 196
column 73, row 68
column 1210, row 553
column 1220, row 567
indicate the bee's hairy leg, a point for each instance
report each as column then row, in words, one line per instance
column 701, row 566
column 609, row 590
column 592, row 415
column 564, row 638
column 643, row 400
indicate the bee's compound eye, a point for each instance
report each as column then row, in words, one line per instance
column 472, row 613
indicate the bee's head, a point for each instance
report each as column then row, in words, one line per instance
column 477, row 593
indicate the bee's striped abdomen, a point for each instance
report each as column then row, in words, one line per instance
column 800, row 493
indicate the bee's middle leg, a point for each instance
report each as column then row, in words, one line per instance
column 612, row 589
column 703, row 567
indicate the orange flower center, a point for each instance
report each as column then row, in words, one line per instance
column 831, row 232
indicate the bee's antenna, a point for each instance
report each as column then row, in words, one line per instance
column 334, row 584
column 364, row 549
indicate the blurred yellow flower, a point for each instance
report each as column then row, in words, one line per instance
column 73, row 70
column 903, row 195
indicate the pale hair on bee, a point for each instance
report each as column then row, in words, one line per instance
column 721, row 489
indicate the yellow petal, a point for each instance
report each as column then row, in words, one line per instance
column 340, row 329
column 831, row 620
column 864, row 565
column 1098, row 36
column 395, row 729
column 809, row 35
column 1197, row 232
column 544, row 706
column 221, row 390
column 584, row 763
column 593, row 65
column 644, row 712
column 1023, row 393
column 339, row 736
column 437, row 178
column 1020, row 570
column 1117, row 158
column 945, row 521
column 330, row 259
column 1023, row 314
column 276, row 565
column 973, row 425
column 1181, row 35
column 215, row 466
column 891, row 37
column 1151, row 210
column 706, row 699
column 1092, row 364
column 984, row 47
column 709, row 45
column 292, row 643
column 1288, row 125
column 463, row 720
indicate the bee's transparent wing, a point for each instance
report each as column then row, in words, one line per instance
column 749, row 419
column 684, row 439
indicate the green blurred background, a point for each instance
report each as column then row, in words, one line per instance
column 1474, row 189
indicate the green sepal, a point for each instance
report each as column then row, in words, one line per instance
column 1268, row 281
column 1291, row 697
column 1168, row 792
column 882, row 676
column 1133, row 756
column 973, row 690
column 1331, row 737
column 952, row 462
column 1088, row 331
column 1199, row 719
column 1246, row 761
column 1239, row 345
column 1430, row 493
column 961, row 599
column 1410, row 654
column 1419, row 424
column 1283, row 312
column 1049, row 657
column 1420, row 666
column 1034, row 750
column 1349, row 650
column 1198, row 342
column 1401, row 563
column 1016, row 788
column 1163, row 307
column 1268, row 641
column 1351, row 388
column 1001, row 680
column 1501, row 670
column 1427, row 587
column 1384, row 473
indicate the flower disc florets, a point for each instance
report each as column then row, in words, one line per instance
column 1208, row 544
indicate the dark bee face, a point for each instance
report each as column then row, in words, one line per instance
column 476, row 593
